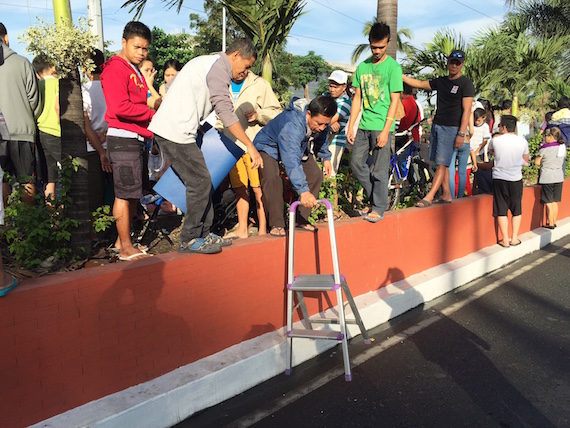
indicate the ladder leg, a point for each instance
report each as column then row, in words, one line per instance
column 288, row 356
column 344, row 333
column 355, row 312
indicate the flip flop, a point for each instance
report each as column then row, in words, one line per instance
column 441, row 201
column 374, row 218
column 6, row 290
column 504, row 245
column 132, row 257
column 423, row 204
column 231, row 235
column 306, row 228
column 514, row 244
column 278, row 232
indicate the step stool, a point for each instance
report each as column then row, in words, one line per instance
column 319, row 283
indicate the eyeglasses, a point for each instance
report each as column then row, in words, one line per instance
column 456, row 55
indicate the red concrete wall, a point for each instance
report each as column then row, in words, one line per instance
column 70, row 338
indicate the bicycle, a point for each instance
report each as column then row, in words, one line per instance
column 401, row 183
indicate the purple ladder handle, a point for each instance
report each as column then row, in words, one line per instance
column 295, row 204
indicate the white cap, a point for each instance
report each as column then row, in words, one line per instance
column 339, row 77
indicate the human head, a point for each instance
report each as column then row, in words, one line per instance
column 320, row 112
column 43, row 66
column 507, row 105
column 479, row 116
column 548, row 116
column 408, row 91
column 508, row 122
column 337, row 83
column 170, row 69
column 98, row 59
column 146, row 66
column 4, row 34
column 455, row 62
column 554, row 134
column 379, row 39
column 564, row 102
column 242, row 55
column 136, row 41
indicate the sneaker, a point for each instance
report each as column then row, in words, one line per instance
column 199, row 245
column 212, row 238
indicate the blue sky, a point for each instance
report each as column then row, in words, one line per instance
column 330, row 28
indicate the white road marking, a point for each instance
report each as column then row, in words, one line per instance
column 379, row 347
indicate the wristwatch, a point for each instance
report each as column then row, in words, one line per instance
column 461, row 134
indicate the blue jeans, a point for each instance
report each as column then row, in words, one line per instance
column 373, row 179
column 442, row 144
column 462, row 155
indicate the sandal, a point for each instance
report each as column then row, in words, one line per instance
column 423, row 204
column 306, row 227
column 278, row 231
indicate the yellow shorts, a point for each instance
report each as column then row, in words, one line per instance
column 243, row 173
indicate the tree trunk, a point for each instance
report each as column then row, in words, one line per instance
column 73, row 143
column 515, row 106
column 307, row 94
column 388, row 12
column 267, row 70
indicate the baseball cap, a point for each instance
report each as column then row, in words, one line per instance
column 457, row 54
column 339, row 77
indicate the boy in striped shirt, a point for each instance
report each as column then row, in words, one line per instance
column 337, row 133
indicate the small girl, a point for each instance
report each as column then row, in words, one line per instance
column 170, row 70
column 551, row 157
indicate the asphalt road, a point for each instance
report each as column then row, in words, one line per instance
column 495, row 353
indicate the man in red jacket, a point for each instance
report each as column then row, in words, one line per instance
column 128, row 116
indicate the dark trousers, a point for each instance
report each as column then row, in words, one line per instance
column 272, row 188
column 189, row 163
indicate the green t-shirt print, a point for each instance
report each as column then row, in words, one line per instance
column 376, row 83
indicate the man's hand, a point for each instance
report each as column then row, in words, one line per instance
column 350, row 136
column 474, row 168
column 308, row 200
column 256, row 160
column 459, row 140
column 149, row 76
column 105, row 163
column 251, row 116
column 335, row 126
column 327, row 166
column 382, row 139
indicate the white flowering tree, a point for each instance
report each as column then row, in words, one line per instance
column 69, row 48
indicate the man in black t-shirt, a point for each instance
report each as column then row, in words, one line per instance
column 454, row 98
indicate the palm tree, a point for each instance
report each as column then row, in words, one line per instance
column 516, row 61
column 73, row 142
column 401, row 45
column 387, row 12
column 433, row 56
column 266, row 22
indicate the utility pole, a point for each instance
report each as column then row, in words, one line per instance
column 95, row 16
column 224, row 29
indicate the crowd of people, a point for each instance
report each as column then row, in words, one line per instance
column 133, row 129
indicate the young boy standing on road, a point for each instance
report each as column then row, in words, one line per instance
column 128, row 116
column 511, row 153
column 378, row 83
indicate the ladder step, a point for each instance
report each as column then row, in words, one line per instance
column 316, row 334
column 314, row 283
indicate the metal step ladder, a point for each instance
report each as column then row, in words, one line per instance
column 319, row 283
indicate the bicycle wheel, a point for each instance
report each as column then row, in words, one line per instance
column 424, row 179
column 394, row 191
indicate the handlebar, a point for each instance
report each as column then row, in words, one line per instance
column 295, row 204
column 410, row 129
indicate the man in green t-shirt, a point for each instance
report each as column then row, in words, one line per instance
column 378, row 83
